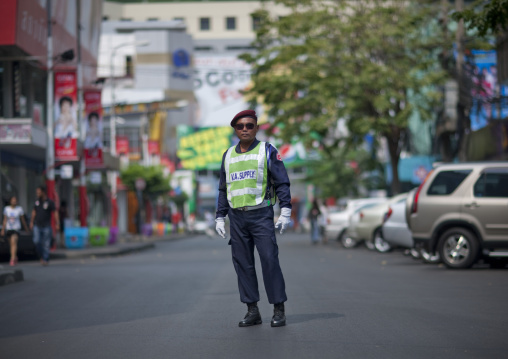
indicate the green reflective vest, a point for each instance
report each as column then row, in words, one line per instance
column 246, row 176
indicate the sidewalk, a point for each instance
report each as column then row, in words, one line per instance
column 126, row 244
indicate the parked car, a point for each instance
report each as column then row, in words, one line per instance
column 337, row 222
column 397, row 234
column 461, row 212
column 350, row 238
column 368, row 226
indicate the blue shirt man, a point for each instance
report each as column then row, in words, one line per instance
column 252, row 226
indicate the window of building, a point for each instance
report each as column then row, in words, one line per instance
column 131, row 132
column 492, row 183
column 204, row 23
column 152, row 19
column 256, row 22
column 239, row 48
column 129, row 67
column 179, row 19
column 231, row 23
column 446, row 182
column 203, row 48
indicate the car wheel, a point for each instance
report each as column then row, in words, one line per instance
column 428, row 257
column 379, row 243
column 458, row 248
column 347, row 241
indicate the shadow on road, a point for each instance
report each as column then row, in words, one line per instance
column 300, row 318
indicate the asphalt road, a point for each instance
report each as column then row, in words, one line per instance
column 180, row 300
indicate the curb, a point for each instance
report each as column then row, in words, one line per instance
column 10, row 276
column 112, row 251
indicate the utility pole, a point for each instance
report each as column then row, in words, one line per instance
column 50, row 149
column 83, row 210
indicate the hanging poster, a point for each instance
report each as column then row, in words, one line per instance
column 65, row 123
column 94, row 126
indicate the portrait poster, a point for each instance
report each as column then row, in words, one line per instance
column 65, row 117
column 94, row 130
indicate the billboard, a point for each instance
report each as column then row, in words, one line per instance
column 94, row 129
column 203, row 148
column 218, row 81
column 481, row 67
column 65, row 122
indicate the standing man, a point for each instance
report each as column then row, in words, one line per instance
column 40, row 223
column 252, row 173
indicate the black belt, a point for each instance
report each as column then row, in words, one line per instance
column 263, row 204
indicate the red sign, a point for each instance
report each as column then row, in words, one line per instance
column 153, row 147
column 122, row 145
column 66, row 149
column 66, row 124
column 93, row 158
column 93, row 140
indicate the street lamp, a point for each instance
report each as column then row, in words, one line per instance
column 112, row 127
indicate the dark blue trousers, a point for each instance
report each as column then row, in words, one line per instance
column 249, row 229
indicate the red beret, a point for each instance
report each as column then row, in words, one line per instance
column 245, row 113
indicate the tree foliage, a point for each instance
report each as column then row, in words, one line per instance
column 488, row 17
column 369, row 63
column 156, row 183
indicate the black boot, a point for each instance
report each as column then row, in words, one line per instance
column 252, row 317
column 279, row 316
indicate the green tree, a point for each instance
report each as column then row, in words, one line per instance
column 156, row 183
column 369, row 63
column 488, row 17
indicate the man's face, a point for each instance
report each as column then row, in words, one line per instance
column 246, row 129
column 38, row 192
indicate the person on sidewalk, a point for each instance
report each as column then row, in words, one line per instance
column 13, row 217
column 40, row 223
column 313, row 217
column 252, row 172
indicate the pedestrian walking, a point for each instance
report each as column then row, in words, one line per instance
column 252, row 173
column 40, row 223
column 314, row 215
column 13, row 217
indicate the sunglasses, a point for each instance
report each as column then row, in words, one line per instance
column 249, row 126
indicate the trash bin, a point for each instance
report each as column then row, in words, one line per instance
column 160, row 228
column 146, row 229
column 113, row 235
column 169, row 228
column 98, row 236
column 76, row 237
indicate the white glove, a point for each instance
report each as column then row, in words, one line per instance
column 220, row 226
column 284, row 219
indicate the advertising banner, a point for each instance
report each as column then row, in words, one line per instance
column 122, row 150
column 218, row 82
column 481, row 66
column 153, row 148
column 203, row 148
column 94, row 126
column 65, row 122
column 122, row 145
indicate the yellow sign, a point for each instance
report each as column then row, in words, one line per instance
column 204, row 149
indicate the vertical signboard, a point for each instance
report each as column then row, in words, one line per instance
column 65, row 123
column 93, row 140
column 122, row 150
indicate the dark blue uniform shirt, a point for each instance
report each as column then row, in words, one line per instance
column 277, row 177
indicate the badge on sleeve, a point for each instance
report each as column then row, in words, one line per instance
column 279, row 157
